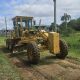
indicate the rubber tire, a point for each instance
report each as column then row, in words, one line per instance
column 63, row 50
column 10, row 47
column 7, row 45
column 33, row 53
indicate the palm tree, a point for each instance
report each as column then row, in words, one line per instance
column 65, row 18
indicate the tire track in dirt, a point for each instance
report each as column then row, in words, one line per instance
column 29, row 72
column 73, row 60
column 57, row 69
column 69, row 62
column 42, row 73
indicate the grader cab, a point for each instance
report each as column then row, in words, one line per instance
column 25, row 38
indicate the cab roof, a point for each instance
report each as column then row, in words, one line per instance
column 24, row 17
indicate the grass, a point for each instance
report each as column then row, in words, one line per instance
column 2, row 41
column 7, row 70
column 73, row 42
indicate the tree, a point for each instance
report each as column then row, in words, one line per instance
column 65, row 18
column 74, row 24
column 52, row 27
column 77, row 27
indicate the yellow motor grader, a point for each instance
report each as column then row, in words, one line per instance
column 25, row 38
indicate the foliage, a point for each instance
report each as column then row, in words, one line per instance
column 7, row 70
column 67, row 27
column 71, row 34
column 75, row 24
column 65, row 18
column 64, row 31
column 2, row 40
column 73, row 42
column 52, row 27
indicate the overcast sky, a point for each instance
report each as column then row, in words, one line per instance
column 39, row 9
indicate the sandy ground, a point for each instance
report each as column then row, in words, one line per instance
column 49, row 68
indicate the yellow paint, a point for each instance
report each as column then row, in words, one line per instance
column 54, row 42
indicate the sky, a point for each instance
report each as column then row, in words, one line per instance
column 39, row 9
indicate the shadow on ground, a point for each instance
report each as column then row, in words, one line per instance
column 46, row 60
column 4, row 49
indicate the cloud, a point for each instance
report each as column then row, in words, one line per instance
column 45, row 9
column 41, row 9
column 68, row 6
column 2, row 22
column 34, row 10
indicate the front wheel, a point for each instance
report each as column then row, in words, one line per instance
column 33, row 53
column 63, row 50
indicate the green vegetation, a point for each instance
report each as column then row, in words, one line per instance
column 2, row 41
column 70, row 32
column 73, row 42
column 65, row 18
column 7, row 70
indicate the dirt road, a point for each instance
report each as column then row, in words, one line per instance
column 49, row 68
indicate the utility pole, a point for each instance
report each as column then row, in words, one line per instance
column 55, row 15
column 6, row 26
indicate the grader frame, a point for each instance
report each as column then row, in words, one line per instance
column 24, row 37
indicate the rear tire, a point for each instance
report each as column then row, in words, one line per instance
column 7, row 45
column 33, row 53
column 63, row 50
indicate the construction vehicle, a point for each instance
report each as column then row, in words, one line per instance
column 25, row 38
